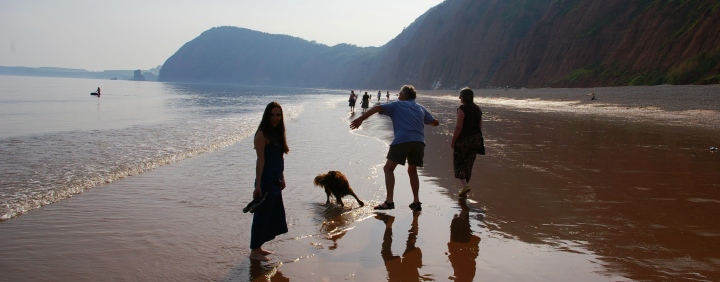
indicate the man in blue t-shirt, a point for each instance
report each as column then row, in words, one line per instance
column 408, row 119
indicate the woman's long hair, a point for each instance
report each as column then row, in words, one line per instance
column 466, row 94
column 274, row 134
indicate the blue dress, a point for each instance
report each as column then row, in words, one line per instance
column 269, row 217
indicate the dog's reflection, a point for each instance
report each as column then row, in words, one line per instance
column 463, row 247
column 334, row 222
column 405, row 267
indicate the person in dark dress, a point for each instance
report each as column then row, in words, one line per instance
column 270, row 145
column 466, row 139
column 365, row 102
column 352, row 100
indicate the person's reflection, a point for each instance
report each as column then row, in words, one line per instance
column 405, row 267
column 262, row 271
column 463, row 247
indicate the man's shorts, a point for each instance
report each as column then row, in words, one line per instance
column 413, row 152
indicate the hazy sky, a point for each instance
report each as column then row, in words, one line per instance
column 130, row 34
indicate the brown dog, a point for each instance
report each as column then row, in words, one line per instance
column 336, row 183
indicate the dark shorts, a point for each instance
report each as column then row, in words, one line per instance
column 413, row 152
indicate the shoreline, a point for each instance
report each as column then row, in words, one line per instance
column 684, row 105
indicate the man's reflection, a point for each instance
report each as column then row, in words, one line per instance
column 463, row 247
column 405, row 267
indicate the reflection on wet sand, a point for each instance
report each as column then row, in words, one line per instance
column 463, row 247
column 260, row 271
column 638, row 195
column 335, row 221
column 405, row 267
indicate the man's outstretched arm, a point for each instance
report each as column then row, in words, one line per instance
column 355, row 124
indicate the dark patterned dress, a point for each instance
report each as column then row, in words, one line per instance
column 269, row 217
column 468, row 142
column 365, row 101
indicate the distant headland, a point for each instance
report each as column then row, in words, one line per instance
column 137, row 75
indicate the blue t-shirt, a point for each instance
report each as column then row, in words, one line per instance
column 408, row 119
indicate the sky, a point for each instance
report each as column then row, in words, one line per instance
column 99, row 35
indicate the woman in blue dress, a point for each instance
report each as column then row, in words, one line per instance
column 269, row 217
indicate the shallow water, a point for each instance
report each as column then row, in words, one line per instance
column 56, row 140
column 183, row 221
column 558, row 197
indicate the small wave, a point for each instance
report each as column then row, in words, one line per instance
column 44, row 169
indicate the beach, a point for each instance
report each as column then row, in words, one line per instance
column 621, row 188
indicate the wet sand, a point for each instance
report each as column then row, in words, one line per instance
column 570, row 190
column 620, row 188
column 631, row 181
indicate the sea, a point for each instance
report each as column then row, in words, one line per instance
column 147, row 183
column 57, row 140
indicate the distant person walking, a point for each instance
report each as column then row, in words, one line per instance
column 365, row 102
column 352, row 100
column 379, row 96
column 270, row 145
column 387, row 97
column 98, row 91
column 466, row 139
column 408, row 119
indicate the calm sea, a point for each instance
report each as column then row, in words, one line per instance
column 57, row 140
column 563, row 194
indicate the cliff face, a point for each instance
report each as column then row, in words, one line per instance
column 562, row 43
column 458, row 43
column 616, row 42
column 477, row 43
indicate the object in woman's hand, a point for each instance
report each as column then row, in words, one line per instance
column 254, row 204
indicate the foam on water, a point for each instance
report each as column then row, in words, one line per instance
column 49, row 162
column 43, row 169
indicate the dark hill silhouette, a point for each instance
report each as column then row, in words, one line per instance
column 478, row 43
column 243, row 56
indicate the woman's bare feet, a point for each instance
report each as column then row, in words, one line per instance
column 265, row 252
column 257, row 254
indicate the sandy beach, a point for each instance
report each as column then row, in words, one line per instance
column 613, row 189
column 621, row 188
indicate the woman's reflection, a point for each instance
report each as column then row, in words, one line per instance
column 463, row 247
column 405, row 267
column 262, row 271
